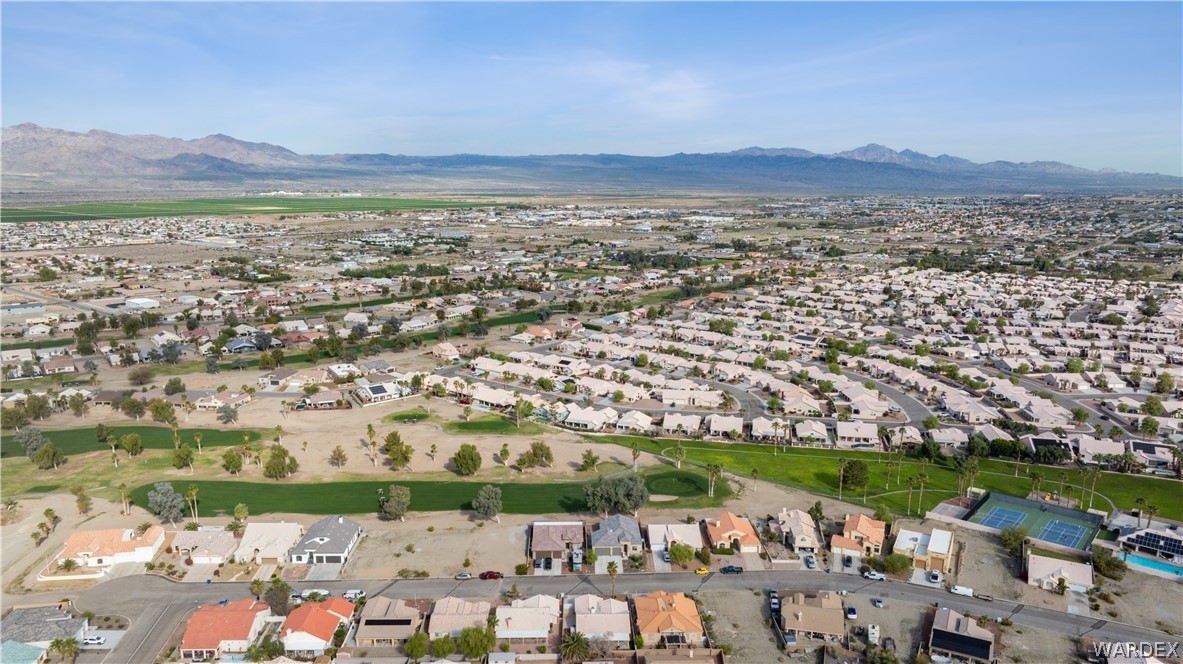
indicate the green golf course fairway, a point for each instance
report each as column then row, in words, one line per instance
column 218, row 497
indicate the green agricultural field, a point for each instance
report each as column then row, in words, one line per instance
column 492, row 424
column 816, row 471
column 218, row 497
column 83, row 440
column 222, row 207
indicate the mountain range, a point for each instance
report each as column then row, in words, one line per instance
column 40, row 160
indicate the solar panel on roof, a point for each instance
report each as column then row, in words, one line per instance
column 378, row 389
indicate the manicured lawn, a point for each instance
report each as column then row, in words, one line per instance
column 40, row 343
column 492, row 424
column 220, row 496
column 1048, row 553
column 82, row 439
column 407, row 416
column 816, row 471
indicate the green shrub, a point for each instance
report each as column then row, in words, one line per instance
column 521, row 569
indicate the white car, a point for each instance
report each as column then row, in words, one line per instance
column 875, row 576
column 94, row 640
column 353, row 595
column 463, row 576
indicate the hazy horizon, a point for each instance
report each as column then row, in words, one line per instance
column 1094, row 85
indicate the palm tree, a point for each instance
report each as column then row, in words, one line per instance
column 575, row 647
column 197, row 439
column 123, row 498
column 191, row 498
column 887, row 477
column 1094, row 473
column 971, row 469
column 371, row 433
column 236, row 527
column 113, row 443
column 68, row 565
column 1151, row 511
column 51, row 517
column 1036, row 481
column 921, row 479
column 434, row 450
column 65, row 648
column 613, row 570
column 257, row 587
column 1062, row 476
column 279, row 432
column 911, row 484
column 714, row 470
column 755, row 478
column 842, row 464
column 1140, row 501
column 636, row 450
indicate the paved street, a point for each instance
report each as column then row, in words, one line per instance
column 157, row 606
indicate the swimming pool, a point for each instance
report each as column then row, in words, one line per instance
column 1153, row 563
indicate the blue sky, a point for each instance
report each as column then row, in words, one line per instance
column 1092, row 84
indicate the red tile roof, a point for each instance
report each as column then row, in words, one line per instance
column 211, row 625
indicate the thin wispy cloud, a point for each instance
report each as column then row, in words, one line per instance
column 1093, row 84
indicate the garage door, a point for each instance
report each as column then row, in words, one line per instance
column 329, row 559
column 917, row 563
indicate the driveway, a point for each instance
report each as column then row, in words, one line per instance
column 920, row 578
column 556, row 568
column 602, row 564
column 855, row 563
column 1078, row 603
column 324, row 572
column 660, row 566
column 752, row 561
column 112, row 636
column 124, row 569
column 200, row 573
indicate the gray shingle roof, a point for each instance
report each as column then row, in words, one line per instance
column 337, row 533
column 615, row 530
column 42, row 623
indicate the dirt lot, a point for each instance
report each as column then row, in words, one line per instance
column 741, row 623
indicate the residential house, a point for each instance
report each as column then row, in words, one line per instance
column 959, row 638
column 268, row 543
column 600, row 618
column 324, row 399
column 104, row 548
column 618, row 535
column 797, row 530
column 950, row 437
column 206, row 547
column 663, row 535
column 634, row 421
column 856, row 435
column 733, row 532
column 15, row 652
column 809, row 618
column 725, row 425
column 386, row 622
column 680, row 424
column 811, row 431
column 451, row 615
column 928, row 551
column 868, row 532
column 329, row 540
column 446, row 352
column 1045, row 572
column 309, row 628
column 40, row 625
column 217, row 631
column 528, row 620
column 668, row 619
column 556, row 539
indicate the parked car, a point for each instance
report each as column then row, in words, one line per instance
column 537, row 563
column 810, row 562
column 773, row 601
column 491, row 575
column 665, row 555
column 875, row 576
column 847, row 561
column 546, row 563
column 702, row 571
column 731, row 569
column 934, row 576
column 877, row 603
column 94, row 640
column 353, row 595
column 224, row 602
column 984, row 598
column 851, row 613
column 463, row 576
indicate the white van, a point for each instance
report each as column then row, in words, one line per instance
column 962, row 590
column 873, row 634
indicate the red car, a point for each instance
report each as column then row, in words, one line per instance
column 491, row 575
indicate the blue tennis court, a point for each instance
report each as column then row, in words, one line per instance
column 1001, row 517
column 1058, row 532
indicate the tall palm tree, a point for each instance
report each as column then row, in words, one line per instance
column 921, row 479
column 911, row 484
column 636, row 450
column 1140, row 501
column 123, row 497
column 613, row 570
column 714, row 470
column 191, row 498
column 1036, row 480
column 1062, row 475
column 755, row 478
column 1151, row 511
column 279, row 432
column 1094, row 475
column 971, row 469
column 197, row 439
column 842, row 464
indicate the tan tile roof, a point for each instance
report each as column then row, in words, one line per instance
column 667, row 612
column 211, row 625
